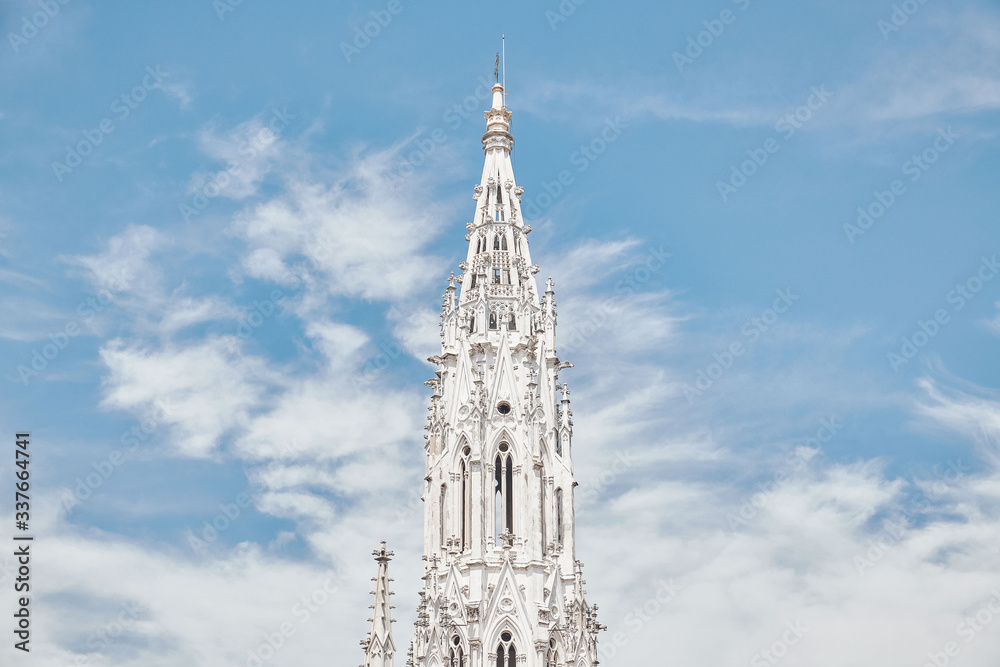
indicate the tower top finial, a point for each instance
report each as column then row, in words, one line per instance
column 381, row 555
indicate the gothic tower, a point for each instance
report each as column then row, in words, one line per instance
column 378, row 645
column 502, row 586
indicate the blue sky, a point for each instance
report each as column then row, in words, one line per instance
column 252, row 251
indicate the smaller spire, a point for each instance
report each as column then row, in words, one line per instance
column 379, row 647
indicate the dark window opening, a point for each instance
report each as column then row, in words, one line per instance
column 559, row 516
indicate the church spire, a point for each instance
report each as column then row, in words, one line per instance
column 379, row 647
column 501, row 581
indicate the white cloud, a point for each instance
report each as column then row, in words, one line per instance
column 250, row 151
column 356, row 237
column 976, row 418
column 206, row 390
column 950, row 66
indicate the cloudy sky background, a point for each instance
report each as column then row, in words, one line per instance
column 264, row 333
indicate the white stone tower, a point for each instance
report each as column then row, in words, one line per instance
column 502, row 586
column 379, row 648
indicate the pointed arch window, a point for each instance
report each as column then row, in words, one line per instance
column 441, row 512
column 472, row 323
column 473, row 281
column 466, row 501
column 559, row 516
column 496, row 242
column 506, row 652
column 498, row 212
column 551, row 659
column 541, row 506
column 503, row 242
column 457, row 655
column 493, row 320
column 503, row 477
column 559, row 445
column 512, row 323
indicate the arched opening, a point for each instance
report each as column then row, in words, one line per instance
column 503, row 242
column 559, row 445
column 512, row 323
column 457, row 655
column 496, row 242
column 541, row 506
column 503, row 477
column 466, row 502
column 498, row 214
column 559, row 516
column 509, row 484
column 506, row 652
column 441, row 512
column 551, row 659
column 493, row 320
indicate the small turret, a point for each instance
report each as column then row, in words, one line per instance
column 378, row 645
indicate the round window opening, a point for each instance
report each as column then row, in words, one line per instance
column 456, row 640
column 504, row 447
column 467, row 451
column 505, row 636
column 504, row 408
